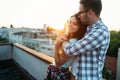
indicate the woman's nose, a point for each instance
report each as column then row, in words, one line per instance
column 70, row 25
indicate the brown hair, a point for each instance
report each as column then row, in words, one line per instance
column 80, row 32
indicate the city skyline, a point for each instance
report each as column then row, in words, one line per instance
column 36, row 13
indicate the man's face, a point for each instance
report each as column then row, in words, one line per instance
column 83, row 15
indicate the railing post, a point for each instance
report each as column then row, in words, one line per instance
column 118, row 66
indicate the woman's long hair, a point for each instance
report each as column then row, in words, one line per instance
column 80, row 32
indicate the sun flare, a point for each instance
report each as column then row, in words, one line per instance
column 36, row 13
column 57, row 24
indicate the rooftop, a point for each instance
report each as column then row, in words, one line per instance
column 18, row 62
column 10, row 71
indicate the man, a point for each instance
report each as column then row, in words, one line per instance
column 91, row 50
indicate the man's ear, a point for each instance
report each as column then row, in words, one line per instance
column 91, row 13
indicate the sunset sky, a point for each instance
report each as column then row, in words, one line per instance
column 35, row 13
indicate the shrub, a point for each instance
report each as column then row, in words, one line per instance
column 114, row 44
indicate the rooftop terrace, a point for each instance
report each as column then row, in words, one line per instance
column 22, row 63
column 10, row 71
column 18, row 62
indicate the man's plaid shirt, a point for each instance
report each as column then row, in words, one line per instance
column 91, row 51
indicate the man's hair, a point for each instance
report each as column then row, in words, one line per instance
column 94, row 5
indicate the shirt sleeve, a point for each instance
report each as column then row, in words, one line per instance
column 90, row 41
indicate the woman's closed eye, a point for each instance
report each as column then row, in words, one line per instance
column 74, row 23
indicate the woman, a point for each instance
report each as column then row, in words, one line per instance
column 59, row 70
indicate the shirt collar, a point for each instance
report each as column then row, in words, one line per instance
column 94, row 25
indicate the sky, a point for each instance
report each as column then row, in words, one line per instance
column 36, row 13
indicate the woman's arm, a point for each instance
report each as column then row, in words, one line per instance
column 60, row 56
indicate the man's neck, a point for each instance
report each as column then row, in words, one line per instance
column 93, row 21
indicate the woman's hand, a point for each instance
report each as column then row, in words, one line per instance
column 60, row 39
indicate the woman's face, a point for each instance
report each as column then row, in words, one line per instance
column 72, row 25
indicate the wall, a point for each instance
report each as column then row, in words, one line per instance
column 35, row 63
column 32, row 61
column 5, row 51
column 118, row 66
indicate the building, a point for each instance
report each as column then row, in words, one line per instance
column 35, row 39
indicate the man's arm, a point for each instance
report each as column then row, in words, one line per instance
column 91, row 41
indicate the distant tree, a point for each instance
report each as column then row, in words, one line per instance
column 3, row 40
column 114, row 44
column 11, row 26
column 3, row 27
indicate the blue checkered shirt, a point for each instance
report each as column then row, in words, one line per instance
column 91, row 51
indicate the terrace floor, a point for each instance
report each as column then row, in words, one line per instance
column 9, row 71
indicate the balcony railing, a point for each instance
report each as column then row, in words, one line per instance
column 35, row 63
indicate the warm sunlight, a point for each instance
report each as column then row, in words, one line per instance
column 36, row 13
column 59, row 11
